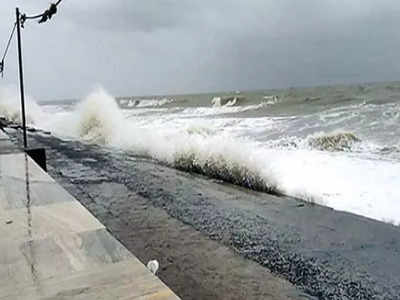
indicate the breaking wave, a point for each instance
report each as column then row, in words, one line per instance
column 328, row 176
column 230, row 101
column 200, row 130
column 144, row 103
column 10, row 108
column 270, row 100
column 234, row 105
column 227, row 101
column 331, row 142
column 236, row 167
column 99, row 117
column 194, row 149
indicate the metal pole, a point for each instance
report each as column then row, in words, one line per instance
column 21, row 77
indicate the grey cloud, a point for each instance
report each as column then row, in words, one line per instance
column 171, row 46
column 147, row 16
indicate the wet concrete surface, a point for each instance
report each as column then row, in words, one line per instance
column 51, row 247
column 218, row 241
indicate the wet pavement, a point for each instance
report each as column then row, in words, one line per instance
column 51, row 247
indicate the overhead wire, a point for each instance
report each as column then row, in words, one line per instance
column 6, row 50
column 46, row 15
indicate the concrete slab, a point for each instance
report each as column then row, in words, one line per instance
column 6, row 146
column 124, row 280
column 20, row 166
column 40, row 222
column 23, row 184
column 32, row 261
column 18, row 194
column 51, row 247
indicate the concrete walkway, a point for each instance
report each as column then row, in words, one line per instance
column 51, row 247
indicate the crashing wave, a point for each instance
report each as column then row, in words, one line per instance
column 227, row 101
column 219, row 167
column 100, row 117
column 245, row 104
column 10, row 114
column 133, row 103
column 199, row 130
column 236, row 105
column 390, row 149
column 334, row 142
column 195, row 150
column 143, row 103
column 249, row 163
column 10, row 107
column 155, row 102
column 127, row 102
column 270, row 100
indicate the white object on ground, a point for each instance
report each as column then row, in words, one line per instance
column 153, row 266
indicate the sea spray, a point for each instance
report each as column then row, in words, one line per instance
column 342, row 141
column 231, row 149
column 10, row 107
column 101, row 121
column 227, row 159
column 100, row 118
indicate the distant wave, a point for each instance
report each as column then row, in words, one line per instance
column 155, row 102
column 201, row 130
column 390, row 150
column 227, row 101
column 144, row 103
column 270, row 100
column 330, row 142
column 230, row 101
column 333, row 142
column 238, row 104
column 221, row 110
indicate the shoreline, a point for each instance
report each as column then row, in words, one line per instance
column 325, row 253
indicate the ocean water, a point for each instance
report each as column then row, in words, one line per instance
column 336, row 146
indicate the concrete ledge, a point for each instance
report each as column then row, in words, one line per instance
column 53, row 248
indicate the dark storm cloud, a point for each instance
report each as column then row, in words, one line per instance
column 128, row 16
column 172, row 46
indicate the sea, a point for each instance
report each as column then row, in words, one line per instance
column 337, row 146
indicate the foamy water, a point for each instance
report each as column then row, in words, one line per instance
column 275, row 153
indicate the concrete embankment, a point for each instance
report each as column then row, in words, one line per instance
column 51, row 247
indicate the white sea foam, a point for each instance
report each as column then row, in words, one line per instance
column 223, row 148
column 10, row 107
column 143, row 103
column 155, row 102
column 226, row 101
column 270, row 100
column 342, row 182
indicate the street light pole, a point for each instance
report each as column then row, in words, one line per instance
column 21, row 77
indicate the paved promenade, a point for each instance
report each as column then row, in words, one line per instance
column 51, row 247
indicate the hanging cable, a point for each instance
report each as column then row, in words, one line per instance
column 44, row 16
column 7, row 47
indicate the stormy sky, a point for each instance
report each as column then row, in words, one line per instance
column 178, row 46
